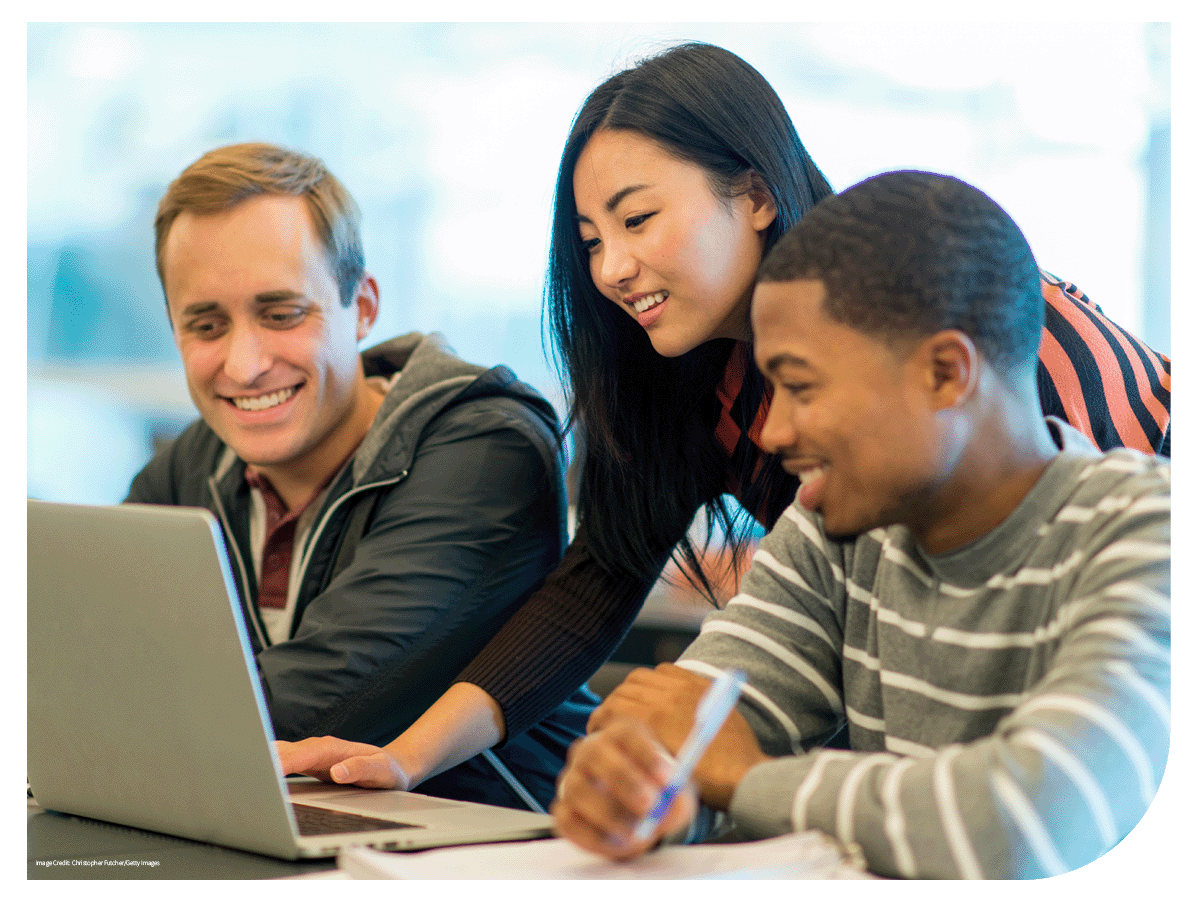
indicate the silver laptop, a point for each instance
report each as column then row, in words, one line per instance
column 145, row 708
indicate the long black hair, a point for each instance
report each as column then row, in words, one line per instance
column 650, row 457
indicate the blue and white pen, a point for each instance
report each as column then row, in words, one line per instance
column 711, row 714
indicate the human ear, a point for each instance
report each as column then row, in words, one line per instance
column 763, row 210
column 953, row 367
column 367, row 302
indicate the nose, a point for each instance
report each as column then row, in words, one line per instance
column 778, row 433
column 247, row 356
column 615, row 266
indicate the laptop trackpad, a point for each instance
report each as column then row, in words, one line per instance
column 367, row 800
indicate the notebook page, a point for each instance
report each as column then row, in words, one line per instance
column 809, row 854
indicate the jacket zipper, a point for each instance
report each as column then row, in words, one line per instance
column 251, row 610
column 315, row 534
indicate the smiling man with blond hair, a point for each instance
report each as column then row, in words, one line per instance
column 384, row 512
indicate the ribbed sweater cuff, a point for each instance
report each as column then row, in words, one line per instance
column 762, row 801
column 524, row 705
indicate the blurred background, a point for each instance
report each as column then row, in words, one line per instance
column 448, row 135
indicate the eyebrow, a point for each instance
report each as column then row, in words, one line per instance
column 616, row 198
column 198, row 309
column 266, row 298
column 785, row 359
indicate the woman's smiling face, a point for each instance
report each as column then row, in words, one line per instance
column 663, row 246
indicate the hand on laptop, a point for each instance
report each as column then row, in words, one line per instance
column 342, row 762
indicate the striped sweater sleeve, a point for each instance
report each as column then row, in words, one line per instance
column 1055, row 781
column 1100, row 378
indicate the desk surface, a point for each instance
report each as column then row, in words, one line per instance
column 61, row 846
column 70, row 847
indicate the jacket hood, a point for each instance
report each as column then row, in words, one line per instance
column 425, row 377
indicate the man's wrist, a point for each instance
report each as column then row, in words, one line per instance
column 717, row 789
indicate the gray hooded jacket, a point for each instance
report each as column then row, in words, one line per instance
column 450, row 513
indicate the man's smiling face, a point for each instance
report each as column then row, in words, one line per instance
column 852, row 416
column 270, row 354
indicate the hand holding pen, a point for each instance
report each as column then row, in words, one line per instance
column 711, row 714
column 624, row 771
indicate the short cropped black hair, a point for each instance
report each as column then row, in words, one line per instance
column 907, row 254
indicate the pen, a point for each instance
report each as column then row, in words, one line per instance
column 711, row 714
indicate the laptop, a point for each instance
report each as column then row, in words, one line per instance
column 145, row 709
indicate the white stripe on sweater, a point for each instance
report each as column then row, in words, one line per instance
column 862, row 657
column 1144, row 689
column 791, row 616
column 750, row 691
column 765, row 559
column 952, row 823
column 844, row 816
column 956, row 699
column 894, row 554
column 999, row 640
column 893, row 819
column 904, row 747
column 862, row 720
column 1039, row 576
column 1029, row 822
column 1128, row 590
column 808, row 787
column 891, row 617
column 1115, row 728
column 1119, row 462
column 1088, row 786
column 781, row 653
column 813, row 535
column 1126, row 631
column 1143, row 551
column 1112, row 504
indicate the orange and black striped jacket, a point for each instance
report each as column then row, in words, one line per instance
column 1099, row 377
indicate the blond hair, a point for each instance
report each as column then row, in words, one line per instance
column 227, row 176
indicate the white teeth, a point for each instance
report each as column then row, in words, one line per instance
column 649, row 301
column 255, row 404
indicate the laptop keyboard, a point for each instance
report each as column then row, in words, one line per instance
column 313, row 820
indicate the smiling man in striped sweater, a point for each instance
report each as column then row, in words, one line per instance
column 975, row 592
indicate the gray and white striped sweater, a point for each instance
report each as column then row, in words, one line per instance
column 1008, row 703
